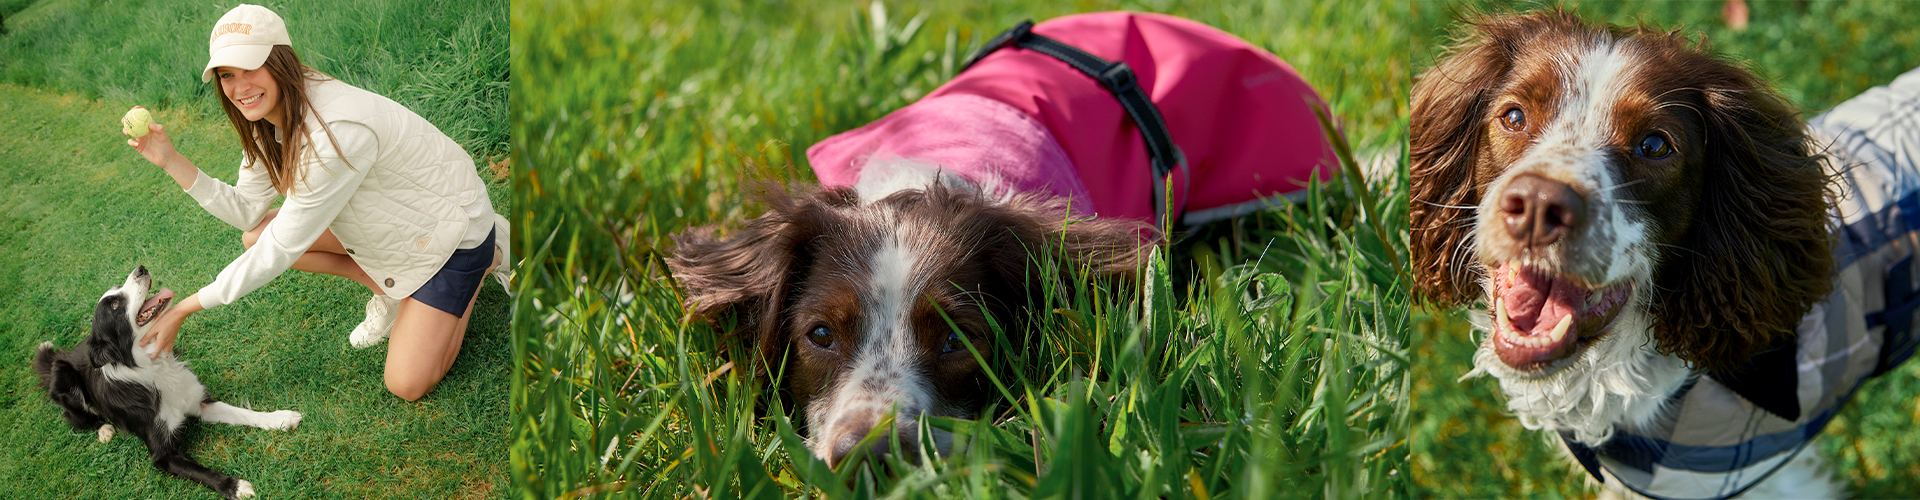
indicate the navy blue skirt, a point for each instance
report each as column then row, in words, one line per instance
column 452, row 288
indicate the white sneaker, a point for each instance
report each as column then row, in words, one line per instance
column 379, row 322
column 504, row 271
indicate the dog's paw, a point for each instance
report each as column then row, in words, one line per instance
column 106, row 432
column 243, row 490
column 284, row 420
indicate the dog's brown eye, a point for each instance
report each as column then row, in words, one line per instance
column 954, row 343
column 1514, row 120
column 821, row 336
column 1655, row 146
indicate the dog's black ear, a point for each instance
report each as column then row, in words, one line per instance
column 1759, row 251
column 1447, row 127
column 111, row 341
column 746, row 275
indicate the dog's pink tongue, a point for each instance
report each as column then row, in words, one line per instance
column 1535, row 303
column 158, row 298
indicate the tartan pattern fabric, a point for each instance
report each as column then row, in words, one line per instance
column 1716, row 443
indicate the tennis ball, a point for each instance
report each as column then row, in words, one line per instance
column 136, row 121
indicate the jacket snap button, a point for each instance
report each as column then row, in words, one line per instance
column 349, row 251
column 389, row 282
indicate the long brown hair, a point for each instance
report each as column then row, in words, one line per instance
column 281, row 157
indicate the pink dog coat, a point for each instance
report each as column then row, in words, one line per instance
column 1243, row 120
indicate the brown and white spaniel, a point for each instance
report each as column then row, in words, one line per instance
column 1652, row 233
column 850, row 291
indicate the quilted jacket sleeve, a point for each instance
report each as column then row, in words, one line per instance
column 310, row 207
column 241, row 205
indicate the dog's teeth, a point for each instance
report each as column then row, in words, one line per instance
column 1500, row 314
column 1560, row 330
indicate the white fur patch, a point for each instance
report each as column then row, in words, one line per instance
column 1572, row 148
column 1618, row 379
column 884, row 174
column 223, row 413
column 881, row 378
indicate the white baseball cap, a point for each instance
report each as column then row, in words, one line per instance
column 243, row 38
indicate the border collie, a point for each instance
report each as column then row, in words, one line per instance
column 108, row 381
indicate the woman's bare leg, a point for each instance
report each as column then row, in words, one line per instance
column 326, row 256
column 424, row 344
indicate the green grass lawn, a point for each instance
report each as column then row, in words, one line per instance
column 82, row 209
column 1270, row 364
column 1817, row 54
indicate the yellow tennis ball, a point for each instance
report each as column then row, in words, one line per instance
column 136, row 121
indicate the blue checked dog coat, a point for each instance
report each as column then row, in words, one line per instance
column 1732, row 429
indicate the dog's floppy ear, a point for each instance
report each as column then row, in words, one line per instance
column 111, row 341
column 1447, row 125
column 1028, row 229
column 1759, row 251
column 747, row 274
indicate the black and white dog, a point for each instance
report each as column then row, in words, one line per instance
column 108, row 380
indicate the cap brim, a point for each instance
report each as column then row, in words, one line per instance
column 236, row 56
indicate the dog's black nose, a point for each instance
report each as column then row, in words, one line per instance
column 1539, row 211
column 140, row 271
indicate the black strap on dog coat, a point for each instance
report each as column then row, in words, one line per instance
column 1119, row 80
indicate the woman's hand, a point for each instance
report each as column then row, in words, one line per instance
column 167, row 326
column 157, row 146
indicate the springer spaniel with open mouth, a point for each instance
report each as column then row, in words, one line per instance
column 1683, row 280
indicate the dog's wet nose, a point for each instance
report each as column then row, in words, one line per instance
column 140, row 271
column 881, row 446
column 1539, row 211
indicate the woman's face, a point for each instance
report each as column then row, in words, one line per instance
column 253, row 91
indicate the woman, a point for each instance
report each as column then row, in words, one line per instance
column 373, row 193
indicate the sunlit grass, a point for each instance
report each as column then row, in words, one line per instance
column 1263, row 359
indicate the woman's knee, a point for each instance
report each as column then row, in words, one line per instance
column 408, row 388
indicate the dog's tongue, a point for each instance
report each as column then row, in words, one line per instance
column 158, row 299
column 1535, row 304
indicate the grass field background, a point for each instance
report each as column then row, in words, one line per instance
column 1817, row 54
column 81, row 209
column 1267, row 364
